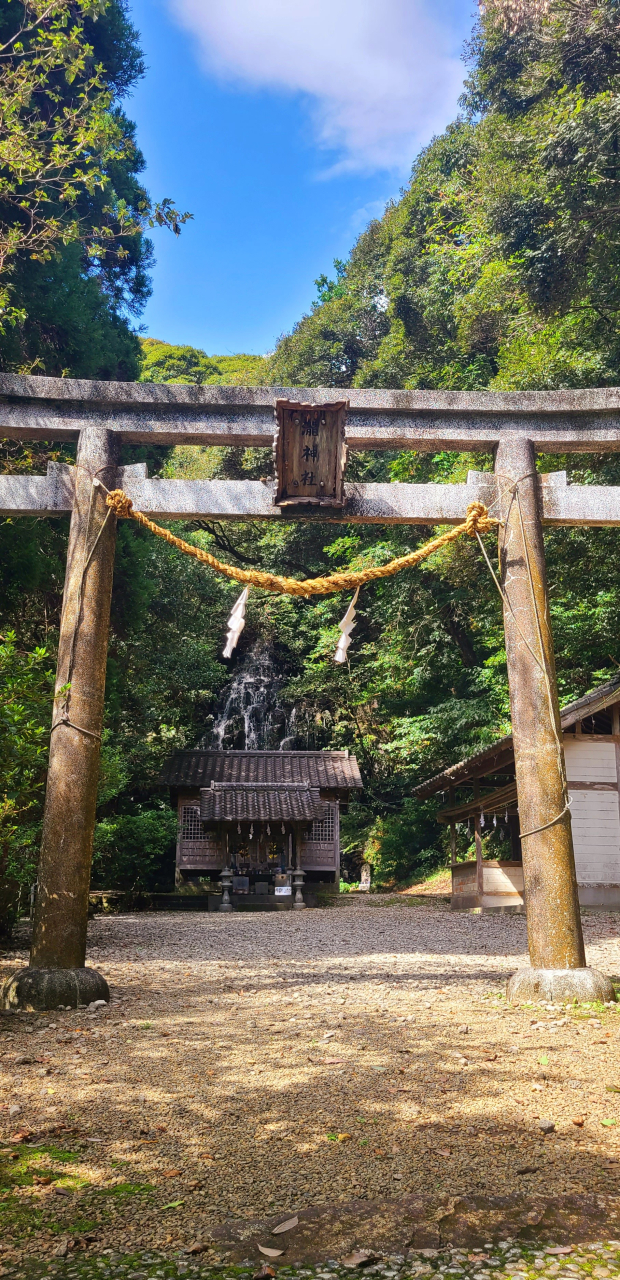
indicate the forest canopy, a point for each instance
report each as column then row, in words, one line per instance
column 74, row 257
column 498, row 267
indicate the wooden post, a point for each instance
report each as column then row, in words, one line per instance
column 515, row 842
column 553, row 918
column 452, row 843
column 478, row 845
column 452, row 830
column 61, row 915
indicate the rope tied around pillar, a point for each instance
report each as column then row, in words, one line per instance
column 477, row 521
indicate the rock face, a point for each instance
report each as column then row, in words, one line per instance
column 49, row 988
column 583, row 985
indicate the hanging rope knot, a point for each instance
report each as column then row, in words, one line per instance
column 120, row 504
column 478, row 519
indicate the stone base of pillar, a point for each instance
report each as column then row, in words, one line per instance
column 562, row 985
column 49, row 988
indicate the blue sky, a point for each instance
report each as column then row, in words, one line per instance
column 284, row 126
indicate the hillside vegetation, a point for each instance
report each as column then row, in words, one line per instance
column 499, row 266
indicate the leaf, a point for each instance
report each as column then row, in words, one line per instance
column 172, row 1173
column 612, row 1088
column 543, row 1060
column 343, row 1137
column 285, row 1226
column 271, row 1253
column 174, row 1204
column 609, row 1122
column 360, row 1258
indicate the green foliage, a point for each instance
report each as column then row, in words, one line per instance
column 163, row 362
column 26, row 691
column 136, row 850
column 74, row 258
column 70, row 324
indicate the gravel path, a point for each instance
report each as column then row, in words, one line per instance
column 251, row 1066
column 508, row 1261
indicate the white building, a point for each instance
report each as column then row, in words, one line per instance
column 481, row 792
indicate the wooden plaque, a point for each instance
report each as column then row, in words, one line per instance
column 310, row 454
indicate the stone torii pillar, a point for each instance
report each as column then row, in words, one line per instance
column 57, row 974
column 555, row 938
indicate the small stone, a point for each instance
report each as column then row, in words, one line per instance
column 546, row 1126
column 14, row 1109
column 463, row 1030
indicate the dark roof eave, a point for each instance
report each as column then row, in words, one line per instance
column 330, row 770
column 473, row 766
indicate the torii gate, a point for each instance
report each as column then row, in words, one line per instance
column 513, row 426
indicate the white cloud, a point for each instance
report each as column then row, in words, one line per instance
column 380, row 75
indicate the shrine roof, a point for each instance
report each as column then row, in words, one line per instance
column 261, row 803
column 500, row 753
column 329, row 770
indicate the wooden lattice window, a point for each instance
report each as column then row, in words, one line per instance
column 321, row 831
column 191, row 825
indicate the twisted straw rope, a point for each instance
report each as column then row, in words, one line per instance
column 478, row 521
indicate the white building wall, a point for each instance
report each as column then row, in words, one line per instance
column 595, row 814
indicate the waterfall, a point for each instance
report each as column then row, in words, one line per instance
column 250, row 717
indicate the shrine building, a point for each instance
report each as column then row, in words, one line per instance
column 262, row 816
column 481, row 795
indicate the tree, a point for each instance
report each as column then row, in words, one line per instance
column 68, row 158
column 26, row 692
column 164, row 362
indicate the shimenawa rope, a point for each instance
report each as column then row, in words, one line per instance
column 478, row 521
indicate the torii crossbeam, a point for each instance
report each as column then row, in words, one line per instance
column 512, row 426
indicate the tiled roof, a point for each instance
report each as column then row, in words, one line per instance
column 260, row 803
column 330, row 770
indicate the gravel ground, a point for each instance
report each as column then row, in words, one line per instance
column 251, row 1066
column 508, row 1261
